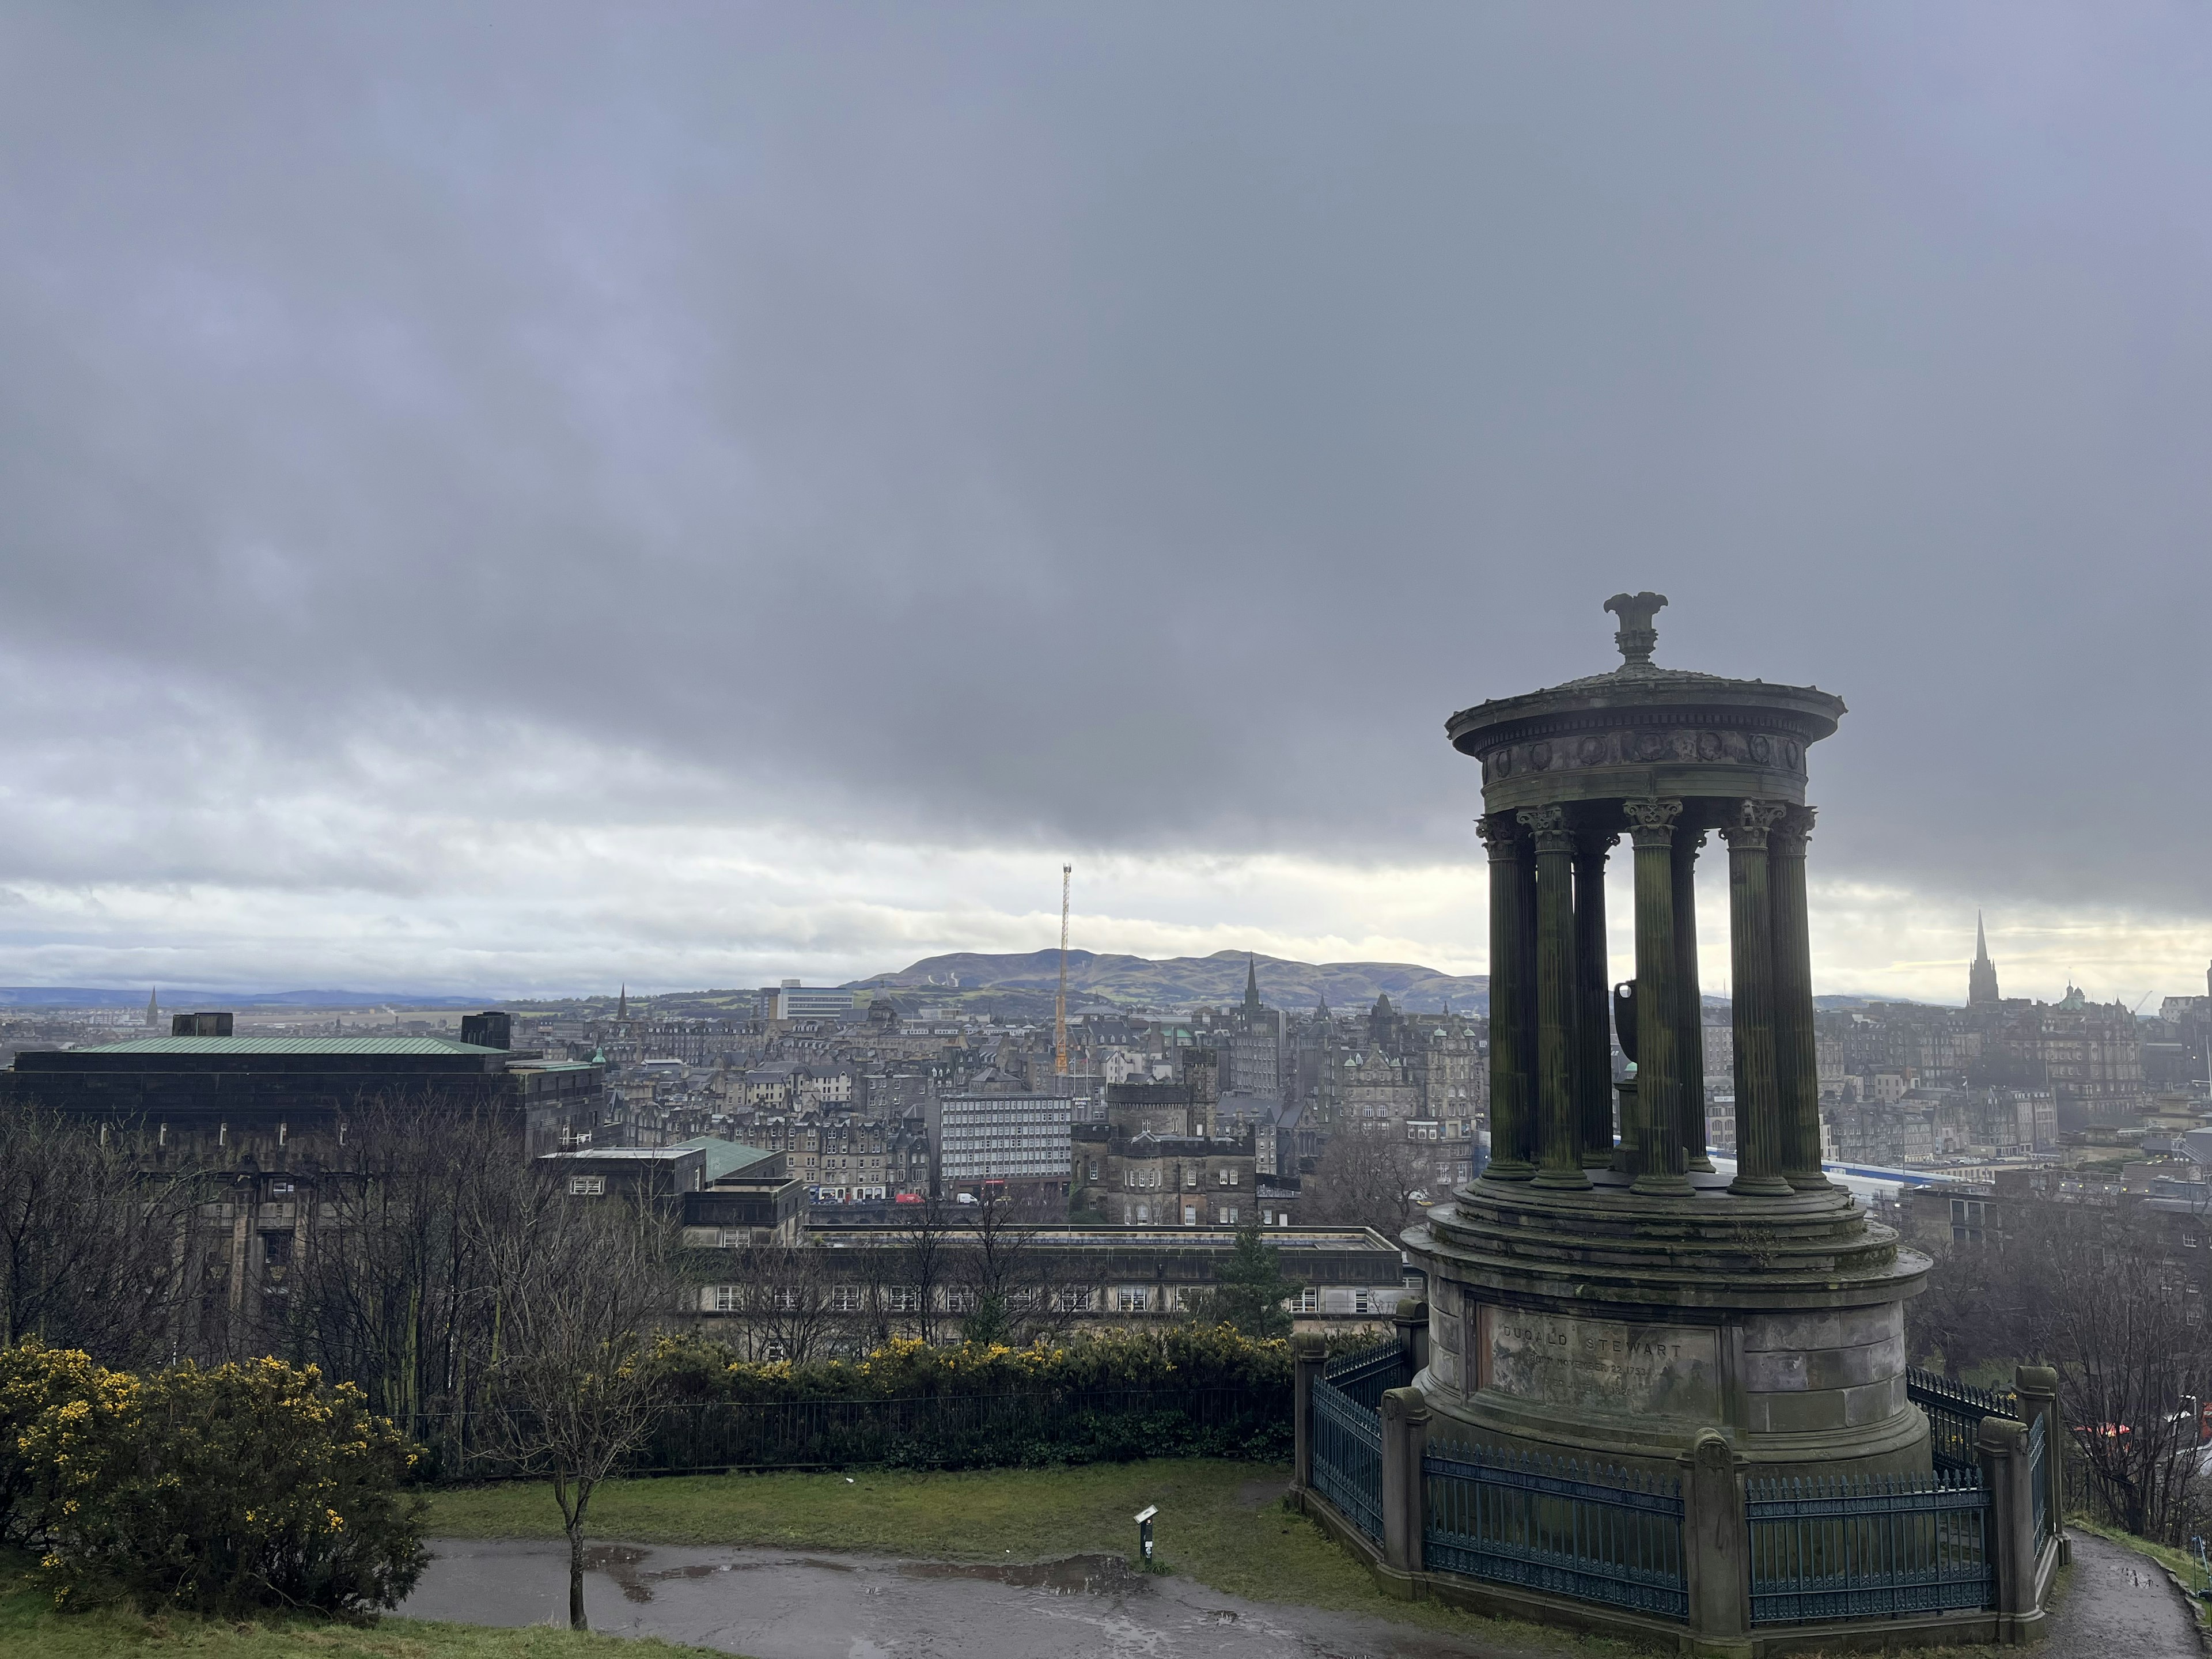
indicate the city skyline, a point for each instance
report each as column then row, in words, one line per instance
column 523, row 503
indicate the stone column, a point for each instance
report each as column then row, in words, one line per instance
column 1751, row 944
column 1716, row 1545
column 1559, row 1113
column 1797, row 1054
column 2000, row 1447
column 1593, row 1001
column 1404, row 1442
column 1309, row 1353
column 1658, row 1076
column 1509, row 1126
column 1411, row 1321
column 1689, row 1000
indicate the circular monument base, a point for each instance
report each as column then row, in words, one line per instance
column 1604, row 1324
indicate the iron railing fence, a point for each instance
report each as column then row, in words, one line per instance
column 1348, row 1457
column 1365, row 1374
column 2039, row 1482
column 1877, row 1546
column 1955, row 1411
column 1592, row 1531
column 926, row 1432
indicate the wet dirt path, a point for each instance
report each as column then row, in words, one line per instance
column 784, row 1604
column 2119, row 1604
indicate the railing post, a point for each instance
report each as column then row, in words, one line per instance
column 1405, row 1440
column 2000, row 1447
column 1412, row 1319
column 1309, row 1353
column 2038, row 1387
column 1716, row 1545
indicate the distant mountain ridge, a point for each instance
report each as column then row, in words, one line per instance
column 1183, row 981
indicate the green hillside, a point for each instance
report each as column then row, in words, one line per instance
column 1179, row 982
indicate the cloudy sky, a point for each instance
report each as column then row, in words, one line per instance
column 517, row 498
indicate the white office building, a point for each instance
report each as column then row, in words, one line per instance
column 978, row 1137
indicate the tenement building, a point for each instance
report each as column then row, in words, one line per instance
column 1153, row 1164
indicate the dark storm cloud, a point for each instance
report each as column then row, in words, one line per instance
column 1133, row 426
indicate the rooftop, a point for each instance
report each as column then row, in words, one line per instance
column 275, row 1045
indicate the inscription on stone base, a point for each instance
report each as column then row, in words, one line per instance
column 1602, row 1365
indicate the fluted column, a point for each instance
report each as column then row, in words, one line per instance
column 1658, row 1015
column 1509, row 1068
column 1690, row 999
column 1558, row 1112
column 1751, row 946
column 1593, row 1000
column 1796, row 1056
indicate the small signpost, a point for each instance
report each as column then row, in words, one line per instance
column 1145, row 1531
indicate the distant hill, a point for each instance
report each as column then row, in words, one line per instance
column 1183, row 981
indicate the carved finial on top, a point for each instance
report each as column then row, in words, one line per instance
column 1636, row 636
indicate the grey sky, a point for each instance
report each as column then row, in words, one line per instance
column 1128, row 430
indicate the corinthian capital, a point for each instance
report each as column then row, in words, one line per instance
column 1548, row 824
column 1501, row 833
column 1754, row 819
column 1651, row 823
column 1790, row 835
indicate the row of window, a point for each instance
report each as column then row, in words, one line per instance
column 1121, row 1298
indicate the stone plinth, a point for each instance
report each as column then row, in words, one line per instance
column 1617, row 1326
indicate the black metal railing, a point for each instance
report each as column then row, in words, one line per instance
column 1592, row 1531
column 1879, row 1546
column 1365, row 1374
column 1347, row 1431
column 1955, row 1411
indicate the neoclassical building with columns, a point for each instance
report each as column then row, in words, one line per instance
column 1602, row 1289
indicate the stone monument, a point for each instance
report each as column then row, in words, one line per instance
column 1611, row 1295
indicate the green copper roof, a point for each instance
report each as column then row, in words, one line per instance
column 725, row 1157
column 276, row 1045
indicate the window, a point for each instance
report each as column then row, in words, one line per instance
column 728, row 1298
column 277, row 1248
column 1361, row 1302
column 1072, row 1301
column 844, row 1298
column 906, row 1299
column 730, row 1237
column 584, row 1185
column 1143, row 1213
column 1229, row 1215
column 1190, row 1175
column 785, row 1298
column 1094, row 1169
column 280, row 1187
column 1190, row 1215
column 1132, row 1298
column 773, row 1349
column 1309, row 1300
column 960, row 1300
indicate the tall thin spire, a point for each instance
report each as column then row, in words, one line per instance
column 621, row 1003
column 1982, row 977
column 1251, row 985
column 153, row 1005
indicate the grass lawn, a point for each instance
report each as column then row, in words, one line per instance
column 1222, row 1523
column 31, row 1629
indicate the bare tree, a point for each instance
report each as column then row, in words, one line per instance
column 396, row 1284
column 1368, row 1178
column 928, row 1255
column 581, row 1285
column 2111, row 1319
column 91, row 1239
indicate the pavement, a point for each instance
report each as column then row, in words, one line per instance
column 781, row 1604
column 2118, row 1606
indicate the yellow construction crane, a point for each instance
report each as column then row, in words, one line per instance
column 1060, row 1006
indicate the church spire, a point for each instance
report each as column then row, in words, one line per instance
column 621, row 1004
column 154, row 1005
column 1251, row 985
column 1982, row 977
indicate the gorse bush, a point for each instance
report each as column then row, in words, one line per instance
column 221, row 1490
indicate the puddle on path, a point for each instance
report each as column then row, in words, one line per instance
column 1076, row 1575
column 621, row 1562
